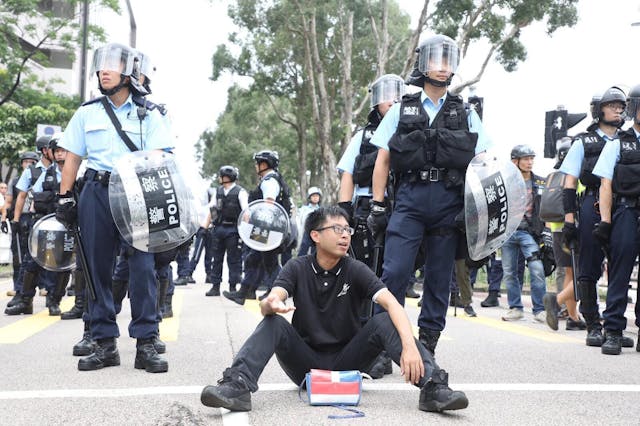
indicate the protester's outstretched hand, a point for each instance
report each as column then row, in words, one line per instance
column 272, row 304
column 411, row 364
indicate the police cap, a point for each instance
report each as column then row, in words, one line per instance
column 269, row 157
column 228, row 171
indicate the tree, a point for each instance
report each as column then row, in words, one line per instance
column 305, row 52
column 496, row 22
column 29, row 31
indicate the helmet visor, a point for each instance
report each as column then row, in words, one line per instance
column 438, row 57
column 386, row 90
column 115, row 58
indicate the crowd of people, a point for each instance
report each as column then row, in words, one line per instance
column 400, row 213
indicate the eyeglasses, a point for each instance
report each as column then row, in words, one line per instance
column 615, row 107
column 338, row 229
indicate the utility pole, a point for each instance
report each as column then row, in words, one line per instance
column 132, row 25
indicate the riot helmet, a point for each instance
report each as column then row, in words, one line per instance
column 388, row 88
column 42, row 142
column 147, row 69
column 611, row 95
column 522, row 150
column 29, row 155
column 118, row 58
column 228, row 171
column 314, row 190
column 269, row 157
column 436, row 53
column 562, row 148
column 55, row 139
column 633, row 103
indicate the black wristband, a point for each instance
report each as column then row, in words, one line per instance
column 569, row 200
column 378, row 203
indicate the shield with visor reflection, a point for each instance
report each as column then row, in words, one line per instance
column 494, row 203
column 264, row 225
column 156, row 204
column 51, row 245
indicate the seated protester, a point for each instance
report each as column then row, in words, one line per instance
column 326, row 333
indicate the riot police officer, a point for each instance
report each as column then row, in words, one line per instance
column 618, row 167
column 357, row 163
column 43, row 192
column 18, row 244
column 231, row 199
column 314, row 198
column 427, row 141
column 263, row 266
column 581, row 214
column 115, row 67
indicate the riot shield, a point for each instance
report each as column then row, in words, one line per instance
column 156, row 204
column 494, row 203
column 264, row 225
column 51, row 245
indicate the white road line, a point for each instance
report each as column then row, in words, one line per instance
column 367, row 387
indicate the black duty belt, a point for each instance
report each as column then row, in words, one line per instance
column 227, row 222
column 101, row 176
column 627, row 201
column 429, row 175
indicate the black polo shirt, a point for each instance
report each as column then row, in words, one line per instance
column 328, row 303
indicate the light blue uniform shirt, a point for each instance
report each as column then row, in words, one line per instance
column 91, row 133
column 24, row 183
column 348, row 160
column 37, row 186
column 270, row 187
column 389, row 124
column 609, row 157
column 572, row 164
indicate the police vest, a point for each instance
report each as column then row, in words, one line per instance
column 366, row 159
column 284, row 196
column 44, row 202
column 593, row 144
column 14, row 198
column 140, row 101
column 626, row 175
column 445, row 143
column 228, row 206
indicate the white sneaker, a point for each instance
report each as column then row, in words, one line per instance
column 540, row 317
column 513, row 314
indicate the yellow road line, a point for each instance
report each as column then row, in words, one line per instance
column 169, row 326
column 24, row 328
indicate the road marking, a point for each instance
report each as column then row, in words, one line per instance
column 29, row 325
column 169, row 326
column 290, row 387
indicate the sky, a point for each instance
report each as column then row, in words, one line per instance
column 565, row 69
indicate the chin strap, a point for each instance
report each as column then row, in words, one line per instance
column 438, row 83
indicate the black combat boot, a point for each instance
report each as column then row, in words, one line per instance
column 119, row 289
column 86, row 345
column 54, row 297
column 238, row 296
column 231, row 393
column 147, row 357
column 436, row 395
column 160, row 346
column 429, row 339
column 215, row 290
column 167, row 311
column 14, row 300
column 105, row 355
column 25, row 306
column 411, row 293
column 78, row 306
column 381, row 365
column 491, row 300
column 612, row 342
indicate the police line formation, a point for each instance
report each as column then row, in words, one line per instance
column 117, row 226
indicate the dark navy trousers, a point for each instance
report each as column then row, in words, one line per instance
column 101, row 241
column 225, row 239
column 423, row 212
column 590, row 259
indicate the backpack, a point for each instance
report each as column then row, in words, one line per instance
column 551, row 206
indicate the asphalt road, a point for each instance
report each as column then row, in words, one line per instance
column 513, row 373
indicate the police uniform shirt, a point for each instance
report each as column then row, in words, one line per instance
column 91, row 133
column 270, row 187
column 348, row 160
column 24, row 182
column 328, row 303
column 609, row 157
column 389, row 123
column 572, row 164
